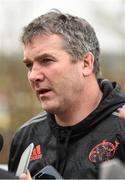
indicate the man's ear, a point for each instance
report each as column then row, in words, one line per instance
column 88, row 64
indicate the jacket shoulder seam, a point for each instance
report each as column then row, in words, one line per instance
column 40, row 117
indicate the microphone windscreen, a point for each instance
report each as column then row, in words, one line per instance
column 112, row 169
column 1, row 142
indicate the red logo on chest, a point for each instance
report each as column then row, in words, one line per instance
column 103, row 151
column 36, row 153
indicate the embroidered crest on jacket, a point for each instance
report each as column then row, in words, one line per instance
column 103, row 151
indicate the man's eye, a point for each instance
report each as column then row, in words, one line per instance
column 28, row 65
column 46, row 61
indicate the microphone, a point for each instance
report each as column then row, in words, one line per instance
column 1, row 142
column 48, row 172
column 112, row 169
column 3, row 173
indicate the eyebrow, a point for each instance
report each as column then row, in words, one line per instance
column 39, row 57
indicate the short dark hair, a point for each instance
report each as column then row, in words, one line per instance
column 79, row 36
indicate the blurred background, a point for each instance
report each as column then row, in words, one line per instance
column 17, row 102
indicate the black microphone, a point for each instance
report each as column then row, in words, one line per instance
column 48, row 172
column 1, row 142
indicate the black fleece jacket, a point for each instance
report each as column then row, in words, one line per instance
column 75, row 151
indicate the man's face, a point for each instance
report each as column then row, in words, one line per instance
column 56, row 80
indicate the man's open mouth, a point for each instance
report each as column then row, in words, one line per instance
column 43, row 91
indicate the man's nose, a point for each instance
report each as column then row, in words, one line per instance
column 36, row 74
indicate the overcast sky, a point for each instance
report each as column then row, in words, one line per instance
column 106, row 16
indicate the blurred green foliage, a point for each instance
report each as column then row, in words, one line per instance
column 17, row 101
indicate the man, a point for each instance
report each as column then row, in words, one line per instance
column 77, row 130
